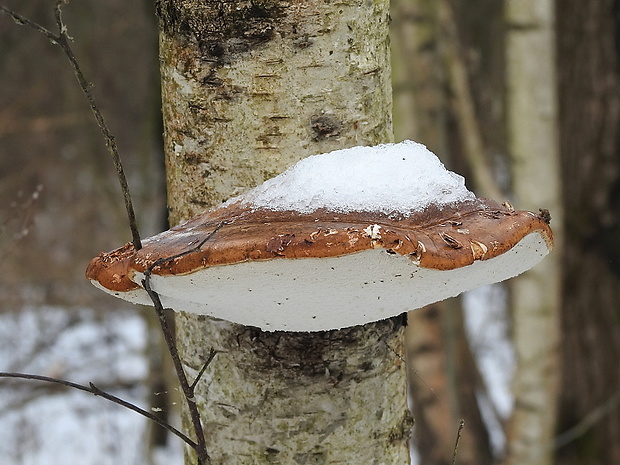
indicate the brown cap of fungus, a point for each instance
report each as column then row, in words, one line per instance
column 185, row 260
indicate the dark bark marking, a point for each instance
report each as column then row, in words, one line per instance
column 221, row 29
column 325, row 126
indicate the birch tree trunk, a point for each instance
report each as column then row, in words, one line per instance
column 249, row 88
column 533, row 146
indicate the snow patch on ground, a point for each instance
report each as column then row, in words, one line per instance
column 41, row 423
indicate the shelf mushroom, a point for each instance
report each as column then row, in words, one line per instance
column 340, row 239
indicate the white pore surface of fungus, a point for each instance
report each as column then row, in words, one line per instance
column 315, row 294
column 403, row 177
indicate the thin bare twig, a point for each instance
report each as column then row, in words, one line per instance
column 210, row 357
column 458, row 438
column 588, row 421
column 188, row 390
column 415, row 372
column 186, row 387
column 63, row 40
column 161, row 261
column 92, row 389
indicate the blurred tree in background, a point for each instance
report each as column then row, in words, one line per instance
column 589, row 99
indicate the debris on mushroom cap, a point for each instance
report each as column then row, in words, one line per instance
column 329, row 267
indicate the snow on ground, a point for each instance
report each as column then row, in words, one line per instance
column 45, row 424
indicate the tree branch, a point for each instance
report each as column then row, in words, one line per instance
column 458, row 438
column 92, row 389
column 63, row 40
column 188, row 390
column 469, row 124
column 211, row 356
column 588, row 421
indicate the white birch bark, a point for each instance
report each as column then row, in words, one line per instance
column 533, row 145
column 249, row 88
column 311, row 78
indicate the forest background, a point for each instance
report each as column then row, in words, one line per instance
column 489, row 86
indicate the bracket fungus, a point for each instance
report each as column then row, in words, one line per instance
column 340, row 239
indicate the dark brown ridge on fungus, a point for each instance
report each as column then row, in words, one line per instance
column 439, row 238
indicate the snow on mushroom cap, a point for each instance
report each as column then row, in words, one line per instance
column 404, row 177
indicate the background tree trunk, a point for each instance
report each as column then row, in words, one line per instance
column 434, row 104
column 249, row 88
column 531, row 113
column 456, row 82
column 589, row 86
